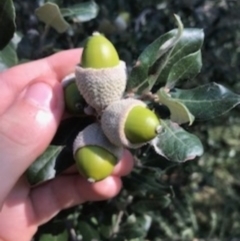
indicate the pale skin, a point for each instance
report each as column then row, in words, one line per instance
column 31, row 109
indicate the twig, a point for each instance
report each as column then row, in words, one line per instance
column 43, row 37
column 116, row 226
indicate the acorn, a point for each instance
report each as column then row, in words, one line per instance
column 99, row 53
column 74, row 102
column 122, row 21
column 129, row 123
column 101, row 77
column 95, row 156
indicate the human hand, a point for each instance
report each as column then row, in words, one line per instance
column 31, row 108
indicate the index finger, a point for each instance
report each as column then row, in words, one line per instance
column 49, row 69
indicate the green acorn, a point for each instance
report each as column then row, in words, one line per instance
column 121, row 22
column 129, row 123
column 99, row 53
column 101, row 77
column 95, row 156
column 74, row 102
column 94, row 162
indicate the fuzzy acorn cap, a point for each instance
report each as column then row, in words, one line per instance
column 93, row 135
column 101, row 87
column 113, row 121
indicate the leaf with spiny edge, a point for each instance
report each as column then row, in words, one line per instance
column 176, row 144
column 179, row 112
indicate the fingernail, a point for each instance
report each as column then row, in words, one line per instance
column 40, row 94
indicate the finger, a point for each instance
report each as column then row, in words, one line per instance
column 26, row 130
column 67, row 191
column 125, row 165
column 50, row 69
column 17, row 214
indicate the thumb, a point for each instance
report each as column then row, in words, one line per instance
column 26, row 129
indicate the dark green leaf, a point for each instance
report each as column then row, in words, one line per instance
column 60, row 237
column 179, row 113
column 44, row 167
column 207, row 101
column 138, row 76
column 186, row 68
column 50, row 14
column 8, row 57
column 144, row 182
column 81, row 12
column 190, row 42
column 7, row 22
column 135, row 227
column 176, row 144
column 143, row 206
column 151, row 54
column 87, row 231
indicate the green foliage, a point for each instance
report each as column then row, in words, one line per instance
column 81, row 12
column 179, row 57
column 7, row 22
column 43, row 168
column 87, row 231
column 50, row 14
column 207, row 101
column 174, row 143
column 179, row 112
column 53, row 16
column 187, row 47
column 60, row 237
column 8, row 57
column 140, row 73
column 185, row 68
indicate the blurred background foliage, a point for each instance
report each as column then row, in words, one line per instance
column 197, row 200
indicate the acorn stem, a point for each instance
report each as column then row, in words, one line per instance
column 91, row 180
column 159, row 129
column 95, row 33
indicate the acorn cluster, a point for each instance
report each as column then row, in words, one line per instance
column 122, row 122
